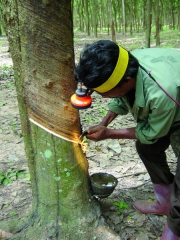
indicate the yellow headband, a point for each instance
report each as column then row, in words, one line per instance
column 117, row 74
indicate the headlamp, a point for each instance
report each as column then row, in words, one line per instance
column 81, row 99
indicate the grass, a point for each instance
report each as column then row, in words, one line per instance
column 6, row 72
column 121, row 205
column 11, row 175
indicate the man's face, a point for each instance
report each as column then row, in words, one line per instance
column 119, row 92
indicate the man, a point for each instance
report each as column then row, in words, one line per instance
column 145, row 82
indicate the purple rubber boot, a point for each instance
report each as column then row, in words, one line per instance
column 168, row 234
column 161, row 205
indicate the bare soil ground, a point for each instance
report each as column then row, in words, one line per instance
column 118, row 157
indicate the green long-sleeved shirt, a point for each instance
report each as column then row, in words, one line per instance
column 154, row 112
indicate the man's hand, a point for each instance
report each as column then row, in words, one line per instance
column 97, row 133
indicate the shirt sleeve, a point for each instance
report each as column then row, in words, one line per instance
column 118, row 106
column 157, row 125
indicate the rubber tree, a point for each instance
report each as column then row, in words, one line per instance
column 87, row 17
column 111, row 20
column 94, row 18
column 157, row 10
column 149, row 21
column 40, row 35
column 124, row 17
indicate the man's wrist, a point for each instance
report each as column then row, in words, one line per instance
column 102, row 124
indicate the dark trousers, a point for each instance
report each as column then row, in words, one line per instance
column 154, row 159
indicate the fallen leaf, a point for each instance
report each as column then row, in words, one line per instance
column 115, row 146
column 4, row 234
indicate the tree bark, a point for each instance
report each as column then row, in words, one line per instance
column 87, row 17
column 124, row 17
column 40, row 35
column 94, row 17
column 157, row 23
column 131, row 16
column 111, row 21
column 149, row 20
column 179, row 15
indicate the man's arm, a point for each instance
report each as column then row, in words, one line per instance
column 110, row 116
column 127, row 133
column 99, row 133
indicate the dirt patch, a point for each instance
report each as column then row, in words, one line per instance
column 133, row 180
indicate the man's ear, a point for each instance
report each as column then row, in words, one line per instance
column 130, row 81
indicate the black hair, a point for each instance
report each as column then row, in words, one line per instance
column 97, row 62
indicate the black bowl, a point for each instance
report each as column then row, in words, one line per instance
column 103, row 184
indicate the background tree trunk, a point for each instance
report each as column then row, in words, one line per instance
column 111, row 21
column 87, row 17
column 179, row 15
column 40, row 35
column 125, row 14
column 149, row 20
column 94, row 17
column 157, row 23
column 131, row 16
column 124, row 17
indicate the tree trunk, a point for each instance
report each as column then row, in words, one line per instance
column 157, row 23
column 144, row 15
column 113, row 31
column 131, row 17
column 40, row 35
column 149, row 20
column 124, row 17
column 111, row 22
column 81, row 9
column 94, row 17
column 172, row 13
column 87, row 17
column 179, row 15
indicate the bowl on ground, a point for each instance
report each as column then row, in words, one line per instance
column 103, row 184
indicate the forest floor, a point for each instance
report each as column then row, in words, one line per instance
column 117, row 157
